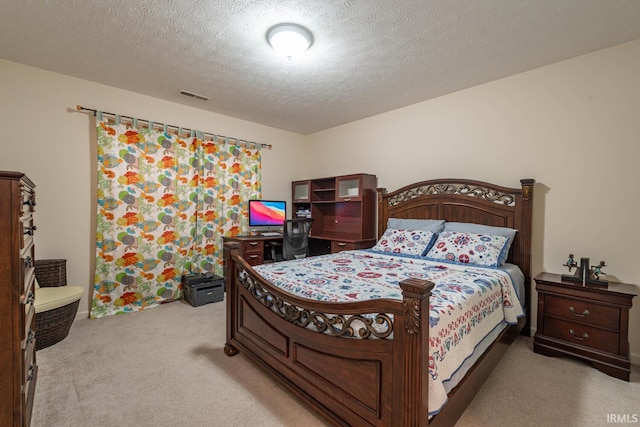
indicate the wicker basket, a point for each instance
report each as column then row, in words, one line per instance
column 51, row 272
column 53, row 326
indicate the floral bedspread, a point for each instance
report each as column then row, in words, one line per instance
column 467, row 302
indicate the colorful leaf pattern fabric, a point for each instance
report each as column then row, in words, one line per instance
column 164, row 203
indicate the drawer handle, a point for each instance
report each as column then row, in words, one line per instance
column 30, row 375
column 30, row 230
column 584, row 336
column 342, row 244
column 585, row 313
column 253, row 243
column 253, row 256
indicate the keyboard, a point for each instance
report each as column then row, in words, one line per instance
column 271, row 234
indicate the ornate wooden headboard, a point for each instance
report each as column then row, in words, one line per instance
column 462, row 200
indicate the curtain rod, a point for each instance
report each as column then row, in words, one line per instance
column 211, row 135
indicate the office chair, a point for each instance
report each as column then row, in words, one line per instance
column 295, row 239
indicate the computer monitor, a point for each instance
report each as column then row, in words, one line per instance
column 267, row 215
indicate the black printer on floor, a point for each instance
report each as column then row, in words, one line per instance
column 203, row 288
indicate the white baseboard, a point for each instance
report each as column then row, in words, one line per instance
column 81, row 315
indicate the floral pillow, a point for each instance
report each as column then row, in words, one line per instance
column 406, row 242
column 469, row 248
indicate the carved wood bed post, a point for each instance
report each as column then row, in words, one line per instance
column 525, row 215
column 230, row 249
column 382, row 211
column 413, row 343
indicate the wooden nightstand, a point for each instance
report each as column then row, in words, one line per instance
column 590, row 322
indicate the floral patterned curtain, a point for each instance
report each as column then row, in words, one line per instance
column 164, row 203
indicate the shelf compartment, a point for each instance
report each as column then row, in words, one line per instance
column 301, row 191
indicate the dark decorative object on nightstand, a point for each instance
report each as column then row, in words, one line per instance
column 585, row 274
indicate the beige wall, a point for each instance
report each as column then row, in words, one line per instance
column 573, row 126
column 54, row 145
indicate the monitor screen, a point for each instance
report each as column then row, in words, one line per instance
column 267, row 213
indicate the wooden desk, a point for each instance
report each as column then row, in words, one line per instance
column 252, row 246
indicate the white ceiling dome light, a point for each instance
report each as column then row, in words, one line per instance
column 289, row 39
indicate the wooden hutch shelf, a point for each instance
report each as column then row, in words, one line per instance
column 343, row 209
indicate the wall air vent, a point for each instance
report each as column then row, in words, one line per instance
column 194, row 95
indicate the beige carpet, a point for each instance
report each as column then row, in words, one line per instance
column 166, row 367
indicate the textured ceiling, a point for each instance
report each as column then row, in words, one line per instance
column 368, row 57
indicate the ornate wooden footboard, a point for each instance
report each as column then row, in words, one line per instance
column 379, row 378
column 369, row 380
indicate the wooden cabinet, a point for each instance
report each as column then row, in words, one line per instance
column 251, row 247
column 338, row 245
column 253, row 251
column 590, row 322
column 349, row 188
column 301, row 192
column 18, row 369
column 343, row 209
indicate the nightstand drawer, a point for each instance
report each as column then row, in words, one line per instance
column 252, row 247
column 337, row 246
column 253, row 259
column 576, row 333
column 580, row 311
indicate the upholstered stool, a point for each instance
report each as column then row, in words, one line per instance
column 56, row 303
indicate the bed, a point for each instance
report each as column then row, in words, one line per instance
column 368, row 362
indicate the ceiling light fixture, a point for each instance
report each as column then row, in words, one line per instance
column 289, row 39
